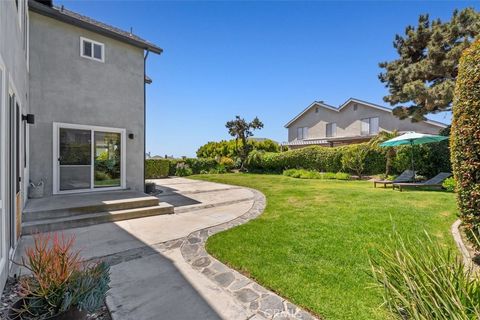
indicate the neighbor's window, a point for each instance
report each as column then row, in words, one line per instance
column 302, row 133
column 331, row 129
column 369, row 126
column 92, row 49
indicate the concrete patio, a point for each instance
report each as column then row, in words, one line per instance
column 159, row 269
column 149, row 276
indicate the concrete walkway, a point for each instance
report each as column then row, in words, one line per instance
column 153, row 270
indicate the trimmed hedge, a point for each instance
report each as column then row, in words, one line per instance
column 430, row 159
column 465, row 138
column 323, row 159
column 157, row 168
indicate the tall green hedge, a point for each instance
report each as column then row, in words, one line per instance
column 465, row 137
column 157, row 168
column 318, row 158
column 429, row 159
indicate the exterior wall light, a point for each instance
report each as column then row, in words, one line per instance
column 30, row 118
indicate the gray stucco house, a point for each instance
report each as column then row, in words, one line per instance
column 72, row 108
column 354, row 121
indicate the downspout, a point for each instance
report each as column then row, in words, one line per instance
column 144, row 115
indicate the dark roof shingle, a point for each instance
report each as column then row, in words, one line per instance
column 79, row 20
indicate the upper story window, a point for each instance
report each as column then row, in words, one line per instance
column 331, row 130
column 369, row 126
column 302, row 133
column 92, row 49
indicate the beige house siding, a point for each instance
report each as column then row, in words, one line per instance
column 348, row 121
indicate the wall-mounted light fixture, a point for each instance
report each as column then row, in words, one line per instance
column 30, row 118
column 131, row 136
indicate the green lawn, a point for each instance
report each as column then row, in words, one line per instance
column 311, row 244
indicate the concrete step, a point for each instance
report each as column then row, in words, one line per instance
column 87, row 208
column 87, row 219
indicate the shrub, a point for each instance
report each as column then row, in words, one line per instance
column 354, row 159
column 465, row 140
column 230, row 148
column 157, row 168
column 422, row 280
column 449, row 184
column 199, row 164
column 329, row 175
column 182, row 170
column 342, row 176
column 60, row 280
column 227, row 162
column 311, row 174
column 316, row 158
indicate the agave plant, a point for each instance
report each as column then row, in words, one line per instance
column 60, row 280
column 422, row 280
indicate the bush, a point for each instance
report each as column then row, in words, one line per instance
column 230, row 148
column 227, row 162
column 342, row 176
column 354, row 159
column 182, row 170
column 310, row 174
column 322, row 159
column 157, row 168
column 423, row 280
column 449, row 184
column 59, row 279
column 464, row 143
column 199, row 164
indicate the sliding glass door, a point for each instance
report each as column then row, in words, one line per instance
column 89, row 158
column 107, row 159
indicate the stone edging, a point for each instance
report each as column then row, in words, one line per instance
column 260, row 302
column 457, row 237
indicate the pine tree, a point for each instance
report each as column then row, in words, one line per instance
column 422, row 79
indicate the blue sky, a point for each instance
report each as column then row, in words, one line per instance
column 266, row 59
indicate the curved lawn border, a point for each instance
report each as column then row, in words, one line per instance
column 466, row 256
column 262, row 303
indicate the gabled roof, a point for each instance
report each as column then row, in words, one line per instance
column 67, row 16
column 343, row 105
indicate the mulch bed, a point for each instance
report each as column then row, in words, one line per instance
column 10, row 296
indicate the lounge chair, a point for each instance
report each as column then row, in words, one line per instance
column 406, row 176
column 434, row 183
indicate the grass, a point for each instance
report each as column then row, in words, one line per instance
column 311, row 244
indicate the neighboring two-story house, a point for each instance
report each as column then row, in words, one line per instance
column 72, row 108
column 354, row 121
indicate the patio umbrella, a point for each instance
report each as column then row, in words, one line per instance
column 412, row 138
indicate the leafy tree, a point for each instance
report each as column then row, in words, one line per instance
column 422, row 79
column 465, row 138
column 224, row 148
column 241, row 130
column 354, row 159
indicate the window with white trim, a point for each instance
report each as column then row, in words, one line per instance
column 92, row 49
column 302, row 133
column 370, row 126
column 331, row 130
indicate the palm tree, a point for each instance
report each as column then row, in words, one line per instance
column 390, row 153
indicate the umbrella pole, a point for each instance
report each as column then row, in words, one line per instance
column 413, row 167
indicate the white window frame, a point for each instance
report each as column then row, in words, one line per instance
column 3, row 96
column 56, row 154
column 304, row 133
column 368, row 123
column 93, row 42
column 333, row 129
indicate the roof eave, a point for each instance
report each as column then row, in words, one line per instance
column 52, row 13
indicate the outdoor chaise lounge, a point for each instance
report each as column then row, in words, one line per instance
column 406, row 176
column 435, row 182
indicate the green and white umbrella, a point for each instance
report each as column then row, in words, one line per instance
column 412, row 138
